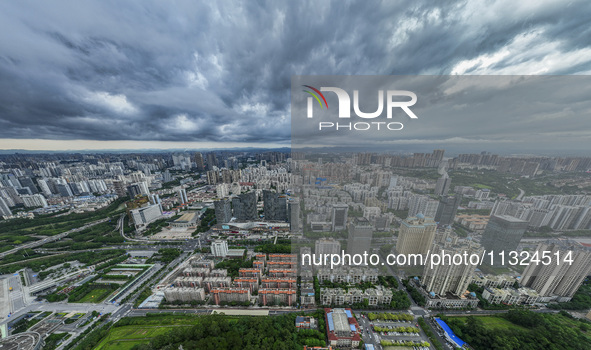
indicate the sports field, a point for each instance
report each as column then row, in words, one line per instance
column 126, row 337
column 96, row 295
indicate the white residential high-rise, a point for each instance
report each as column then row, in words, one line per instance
column 559, row 279
column 4, row 209
column 219, row 248
column 416, row 235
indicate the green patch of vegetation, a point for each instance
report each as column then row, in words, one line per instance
column 209, row 332
column 165, row 255
column 54, row 339
column 580, row 301
column 234, row 265
column 521, row 329
column 434, row 341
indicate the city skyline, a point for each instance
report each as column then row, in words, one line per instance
column 113, row 77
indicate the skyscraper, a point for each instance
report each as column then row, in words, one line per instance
column 416, row 235
column 223, row 211
column 295, row 222
column 4, row 209
column 448, row 278
column 360, row 234
column 422, row 205
column 443, row 184
column 212, row 161
column 446, row 211
column 339, row 216
column 245, row 206
column 274, row 206
column 503, row 233
column 559, row 279
column 199, row 164
column 182, row 196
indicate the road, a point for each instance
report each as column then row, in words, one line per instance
column 521, row 194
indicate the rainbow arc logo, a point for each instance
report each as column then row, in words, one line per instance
column 317, row 95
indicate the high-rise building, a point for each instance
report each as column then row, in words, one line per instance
column 360, row 234
column 245, row 206
column 34, row 200
column 274, row 206
column 212, row 161
column 223, row 211
column 416, row 235
column 4, row 209
column 219, row 248
column 339, row 216
column 182, row 196
column 134, row 190
column 295, row 221
column 44, row 186
column 442, row 185
column 503, row 233
column 447, row 209
column 559, row 279
column 64, row 189
column 327, row 246
column 199, row 164
column 448, row 278
column 422, row 205
column 119, row 187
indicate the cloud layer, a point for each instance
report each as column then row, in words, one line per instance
column 220, row 71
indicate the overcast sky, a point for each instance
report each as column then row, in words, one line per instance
column 135, row 74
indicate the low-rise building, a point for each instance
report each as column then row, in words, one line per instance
column 348, row 275
column 277, row 296
column 210, row 283
column 185, row 294
column 305, row 322
column 340, row 296
column 221, row 295
column 342, row 328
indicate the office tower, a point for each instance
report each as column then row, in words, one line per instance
column 145, row 215
column 219, row 248
column 274, row 206
column 339, row 216
column 199, row 164
column 4, row 209
column 182, row 196
column 416, row 235
column 559, row 279
column 448, row 278
column 443, row 184
column 295, row 221
column 446, row 211
column 223, row 211
column 422, row 205
column 212, row 161
column 245, row 207
column 503, row 233
column 360, row 234
column 327, row 246
column 134, row 190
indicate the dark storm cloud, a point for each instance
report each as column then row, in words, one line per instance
column 220, row 71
